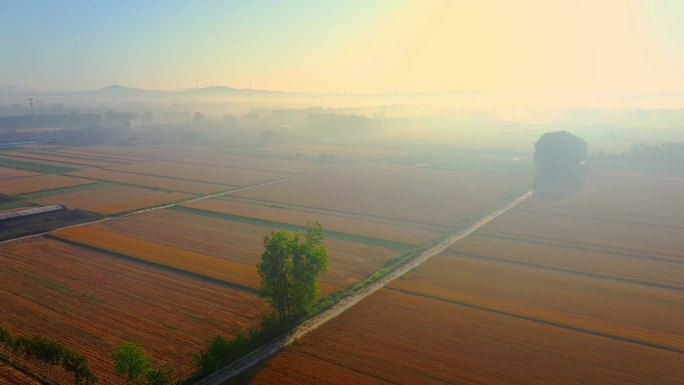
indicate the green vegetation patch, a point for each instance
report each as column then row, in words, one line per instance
column 64, row 190
column 12, row 204
column 279, row 225
column 35, row 167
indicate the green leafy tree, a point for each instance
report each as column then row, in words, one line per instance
column 130, row 362
column 133, row 365
column 289, row 270
column 158, row 376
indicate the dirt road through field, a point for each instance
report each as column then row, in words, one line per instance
column 346, row 303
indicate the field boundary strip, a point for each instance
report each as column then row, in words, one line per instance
column 532, row 211
column 33, row 166
column 222, row 375
column 563, row 270
column 282, row 225
column 94, row 185
column 235, row 167
column 576, row 246
column 338, row 213
column 542, row 321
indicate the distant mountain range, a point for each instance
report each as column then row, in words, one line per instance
column 118, row 91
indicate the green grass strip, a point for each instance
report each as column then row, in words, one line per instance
column 13, row 204
column 36, row 167
column 64, row 190
column 262, row 222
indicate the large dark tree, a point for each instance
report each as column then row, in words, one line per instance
column 559, row 152
column 559, row 157
column 289, row 270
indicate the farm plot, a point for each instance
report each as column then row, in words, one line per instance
column 39, row 183
column 621, row 266
column 103, row 152
column 217, row 248
column 340, row 152
column 140, row 152
column 92, row 302
column 400, row 338
column 648, row 201
column 404, row 193
column 577, row 231
column 195, row 172
column 113, row 200
column 623, row 310
column 12, row 376
column 10, row 173
column 346, row 224
column 62, row 159
column 151, row 181
column 288, row 166
column 41, row 166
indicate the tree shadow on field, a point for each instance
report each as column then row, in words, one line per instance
column 551, row 187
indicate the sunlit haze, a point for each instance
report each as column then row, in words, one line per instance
column 580, row 52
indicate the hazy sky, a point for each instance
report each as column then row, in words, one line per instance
column 573, row 47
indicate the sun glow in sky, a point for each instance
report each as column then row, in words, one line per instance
column 574, row 47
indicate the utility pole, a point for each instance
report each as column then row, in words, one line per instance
column 31, row 103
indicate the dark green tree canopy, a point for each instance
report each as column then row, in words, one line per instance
column 289, row 270
column 133, row 365
column 559, row 152
column 130, row 362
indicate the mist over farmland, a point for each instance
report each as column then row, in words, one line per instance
column 336, row 192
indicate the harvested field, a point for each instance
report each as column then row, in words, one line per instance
column 405, row 193
column 39, row 183
column 194, row 172
column 648, row 201
column 652, row 315
column 341, row 152
column 151, row 181
column 99, row 152
column 141, row 152
column 399, row 338
column 205, row 265
column 574, row 231
column 611, row 264
column 11, row 376
column 10, row 173
column 235, row 243
column 368, row 228
column 62, row 159
column 252, row 163
column 113, row 200
column 92, row 302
